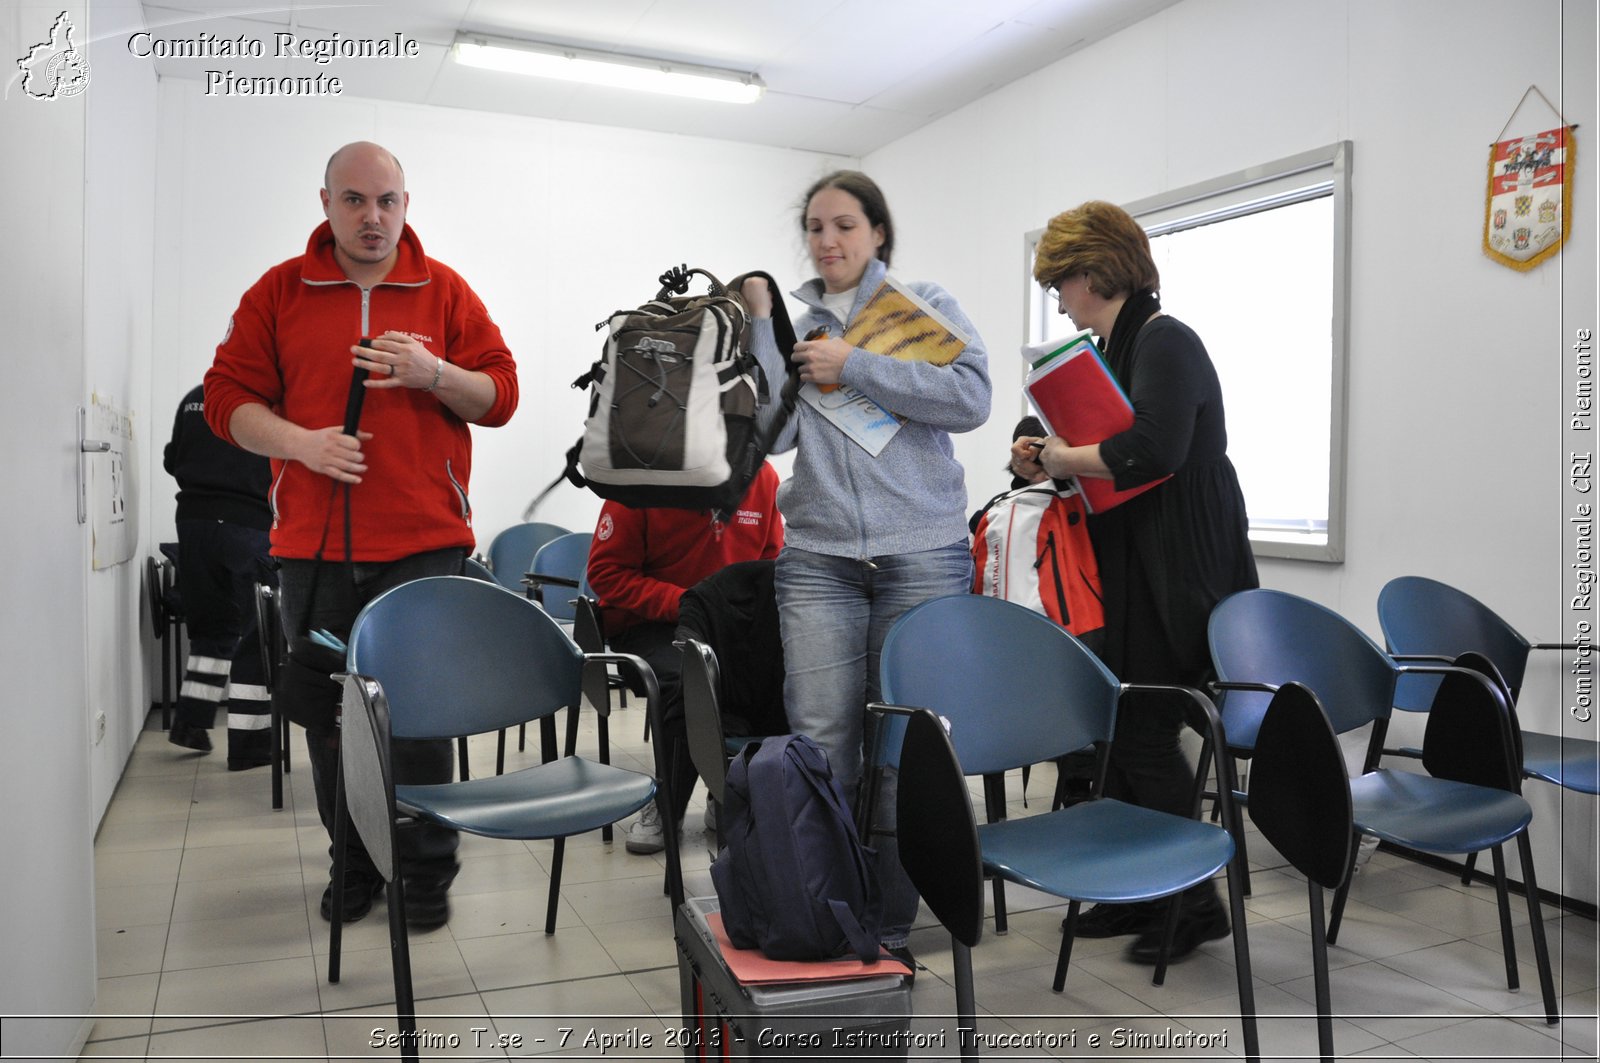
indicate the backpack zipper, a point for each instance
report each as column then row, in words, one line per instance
column 1055, row 570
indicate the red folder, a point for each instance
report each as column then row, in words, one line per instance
column 1079, row 400
column 752, row 967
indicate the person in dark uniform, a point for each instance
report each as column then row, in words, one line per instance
column 223, row 518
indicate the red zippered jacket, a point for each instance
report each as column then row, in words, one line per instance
column 642, row 560
column 288, row 347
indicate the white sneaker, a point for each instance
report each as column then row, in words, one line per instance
column 710, row 818
column 1364, row 851
column 645, row 835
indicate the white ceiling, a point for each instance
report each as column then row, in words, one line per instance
column 842, row 76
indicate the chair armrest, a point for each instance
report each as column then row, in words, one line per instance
column 1219, row 686
column 1554, row 646
column 540, row 579
column 1508, row 713
column 1499, row 693
column 1420, row 657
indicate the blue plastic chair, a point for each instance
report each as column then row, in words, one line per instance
column 1423, row 618
column 559, row 573
column 450, row 656
column 1264, row 639
column 511, row 552
column 1017, row 689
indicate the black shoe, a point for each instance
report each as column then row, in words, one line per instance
column 359, row 892
column 903, row 954
column 249, row 749
column 1194, row 929
column 1115, row 920
column 427, row 901
column 197, row 738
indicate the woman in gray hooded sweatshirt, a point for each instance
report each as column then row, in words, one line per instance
column 868, row 535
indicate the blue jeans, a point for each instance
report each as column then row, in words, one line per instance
column 834, row 613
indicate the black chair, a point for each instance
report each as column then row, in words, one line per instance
column 1300, row 801
column 939, row 849
column 711, row 747
column 733, row 668
column 166, row 623
column 269, row 639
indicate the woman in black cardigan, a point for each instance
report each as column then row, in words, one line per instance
column 1166, row 556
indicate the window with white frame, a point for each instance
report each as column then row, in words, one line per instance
column 1257, row 264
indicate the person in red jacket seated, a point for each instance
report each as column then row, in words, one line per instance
column 640, row 563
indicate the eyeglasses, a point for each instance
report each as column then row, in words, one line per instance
column 1053, row 289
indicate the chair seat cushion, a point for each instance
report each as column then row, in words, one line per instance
column 1435, row 815
column 1568, row 762
column 567, row 796
column 1105, row 850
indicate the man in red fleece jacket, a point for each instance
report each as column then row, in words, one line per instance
column 640, row 563
column 278, row 387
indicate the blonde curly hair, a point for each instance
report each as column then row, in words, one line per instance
column 1102, row 240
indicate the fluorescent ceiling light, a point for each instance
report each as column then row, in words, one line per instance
column 606, row 68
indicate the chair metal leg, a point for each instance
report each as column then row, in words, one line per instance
column 1068, row 930
column 500, row 753
column 994, row 801
column 1319, row 968
column 461, row 757
column 522, row 738
column 548, row 750
column 1240, row 843
column 603, row 733
column 555, row 884
column 966, row 1002
column 1541, row 949
column 1466, row 872
column 400, row 958
column 1502, row 896
column 1169, row 928
column 168, row 653
column 278, row 758
column 1339, row 895
column 336, row 925
column 1241, row 960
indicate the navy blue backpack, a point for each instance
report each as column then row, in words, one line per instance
column 793, row 878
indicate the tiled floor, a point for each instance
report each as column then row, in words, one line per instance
column 210, row 947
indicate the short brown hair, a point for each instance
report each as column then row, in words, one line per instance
column 1102, row 240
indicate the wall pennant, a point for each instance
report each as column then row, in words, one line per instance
column 1528, row 213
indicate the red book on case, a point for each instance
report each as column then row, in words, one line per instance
column 1079, row 400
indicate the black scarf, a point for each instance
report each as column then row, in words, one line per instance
column 1134, row 313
